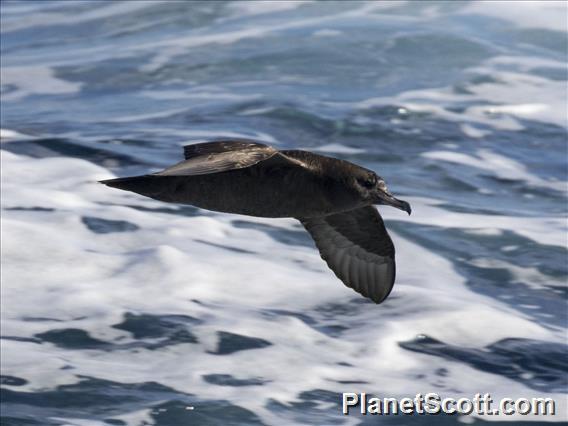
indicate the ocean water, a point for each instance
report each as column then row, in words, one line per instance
column 121, row 310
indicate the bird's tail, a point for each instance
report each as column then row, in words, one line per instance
column 148, row 185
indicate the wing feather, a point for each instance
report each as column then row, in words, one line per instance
column 219, row 156
column 219, row 146
column 358, row 249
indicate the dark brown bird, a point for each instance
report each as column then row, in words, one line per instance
column 332, row 198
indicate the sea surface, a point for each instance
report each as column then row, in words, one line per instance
column 121, row 310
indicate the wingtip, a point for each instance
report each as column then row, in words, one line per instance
column 376, row 300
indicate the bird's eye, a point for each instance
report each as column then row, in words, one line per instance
column 369, row 182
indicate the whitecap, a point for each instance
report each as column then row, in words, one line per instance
column 90, row 280
column 35, row 80
column 15, row 22
column 546, row 229
column 497, row 103
column 473, row 132
column 497, row 165
column 525, row 14
column 326, row 33
column 7, row 135
column 337, row 148
column 242, row 9
column 529, row 276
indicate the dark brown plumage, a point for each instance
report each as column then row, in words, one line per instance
column 332, row 198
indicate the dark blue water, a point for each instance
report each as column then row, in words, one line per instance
column 120, row 310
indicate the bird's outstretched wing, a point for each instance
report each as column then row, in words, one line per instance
column 219, row 156
column 357, row 248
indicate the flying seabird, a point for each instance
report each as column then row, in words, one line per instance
column 332, row 198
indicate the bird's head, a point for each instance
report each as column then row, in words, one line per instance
column 374, row 189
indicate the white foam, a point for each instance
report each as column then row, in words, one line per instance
column 498, row 165
column 529, row 276
column 326, row 33
column 527, row 63
column 174, row 46
column 515, row 93
column 338, row 148
column 473, row 132
column 492, row 232
column 7, row 135
column 34, row 80
column 546, row 229
column 15, row 22
column 497, row 103
column 246, row 8
column 548, row 15
column 256, row 111
column 53, row 266
column 436, row 101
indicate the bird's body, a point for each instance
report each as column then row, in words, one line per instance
column 332, row 198
column 275, row 187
